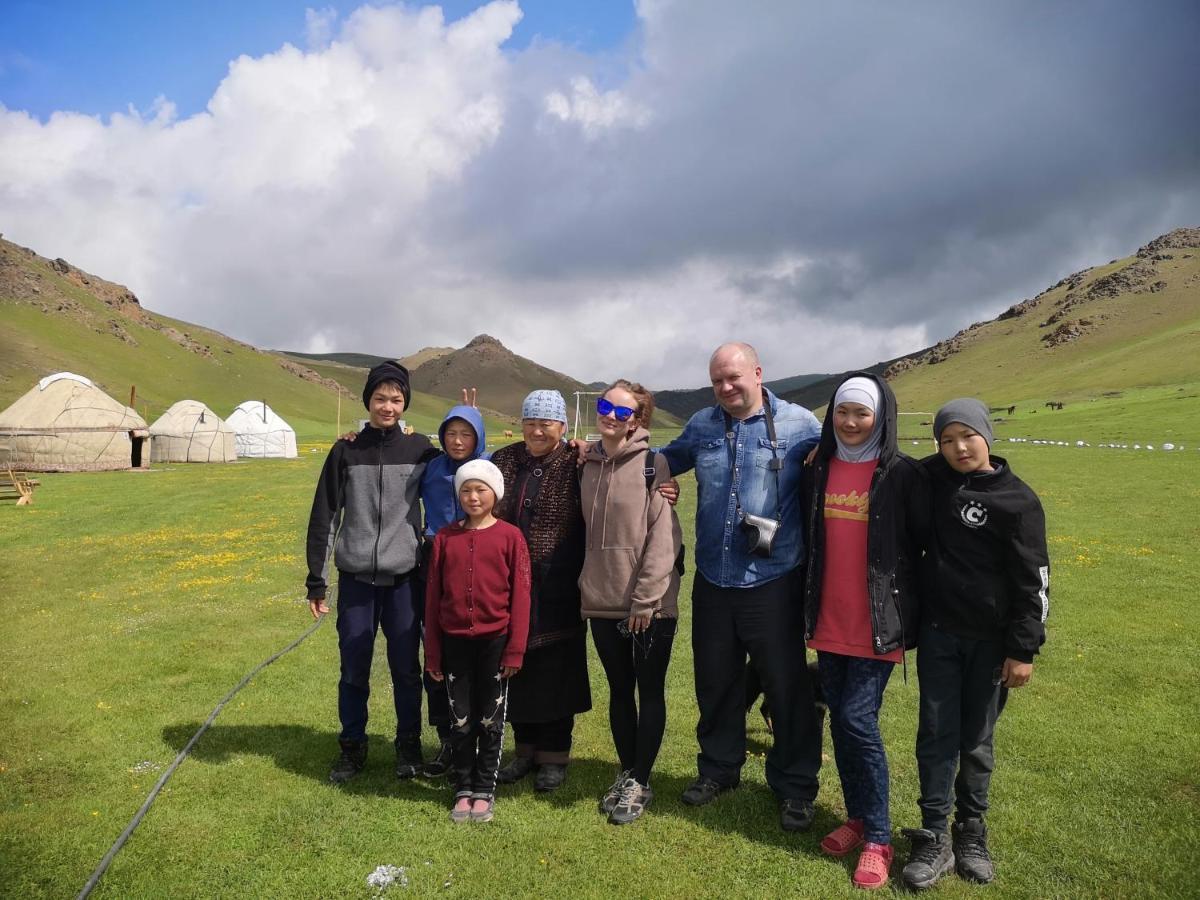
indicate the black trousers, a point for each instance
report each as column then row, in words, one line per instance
column 766, row 623
column 636, row 664
column 961, row 699
column 362, row 610
column 435, row 693
column 476, row 696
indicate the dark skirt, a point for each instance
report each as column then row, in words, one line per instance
column 552, row 683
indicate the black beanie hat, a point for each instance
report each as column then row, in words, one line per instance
column 387, row 371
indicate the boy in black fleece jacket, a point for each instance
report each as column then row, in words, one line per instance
column 366, row 510
column 985, row 580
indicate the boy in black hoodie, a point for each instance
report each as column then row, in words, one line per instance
column 985, row 580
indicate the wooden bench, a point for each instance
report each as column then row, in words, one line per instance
column 17, row 486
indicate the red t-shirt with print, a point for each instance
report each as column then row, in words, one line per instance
column 844, row 622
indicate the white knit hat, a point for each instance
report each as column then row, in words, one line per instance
column 480, row 470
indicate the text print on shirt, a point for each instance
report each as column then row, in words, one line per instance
column 846, row 506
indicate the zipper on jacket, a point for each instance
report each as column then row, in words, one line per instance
column 876, row 608
column 379, row 514
column 900, row 616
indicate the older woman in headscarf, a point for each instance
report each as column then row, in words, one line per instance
column 541, row 497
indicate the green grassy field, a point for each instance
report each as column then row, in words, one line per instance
column 134, row 601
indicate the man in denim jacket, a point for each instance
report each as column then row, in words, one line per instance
column 744, row 602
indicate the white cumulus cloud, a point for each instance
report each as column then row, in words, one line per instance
column 836, row 187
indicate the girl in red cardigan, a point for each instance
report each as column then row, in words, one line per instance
column 476, row 625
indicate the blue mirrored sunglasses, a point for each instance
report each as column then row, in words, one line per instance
column 605, row 408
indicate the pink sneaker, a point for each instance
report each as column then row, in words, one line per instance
column 844, row 838
column 873, row 865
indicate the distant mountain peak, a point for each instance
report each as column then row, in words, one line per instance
column 484, row 340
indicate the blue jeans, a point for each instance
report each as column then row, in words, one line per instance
column 362, row 609
column 854, row 693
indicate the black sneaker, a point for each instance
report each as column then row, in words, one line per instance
column 515, row 770
column 613, row 794
column 440, row 764
column 929, row 858
column 550, row 777
column 409, row 763
column 972, row 860
column 351, row 761
column 796, row 815
column 703, row 791
column 631, row 802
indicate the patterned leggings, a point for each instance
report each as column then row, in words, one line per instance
column 478, row 698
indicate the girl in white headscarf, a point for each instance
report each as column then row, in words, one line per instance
column 860, row 599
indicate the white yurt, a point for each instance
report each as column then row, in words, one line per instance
column 260, row 432
column 191, row 432
column 67, row 424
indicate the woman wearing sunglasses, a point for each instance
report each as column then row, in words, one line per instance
column 630, row 585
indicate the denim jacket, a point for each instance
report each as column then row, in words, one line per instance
column 722, row 554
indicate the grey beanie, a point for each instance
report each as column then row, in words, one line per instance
column 480, row 470
column 546, row 405
column 969, row 412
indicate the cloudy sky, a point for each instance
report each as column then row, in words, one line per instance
column 609, row 188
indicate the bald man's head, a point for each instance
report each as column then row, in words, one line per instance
column 735, row 348
column 736, row 379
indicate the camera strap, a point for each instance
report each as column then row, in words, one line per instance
column 775, row 465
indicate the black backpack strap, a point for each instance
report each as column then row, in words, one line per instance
column 649, row 471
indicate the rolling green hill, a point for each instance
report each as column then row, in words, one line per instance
column 55, row 317
column 1118, row 345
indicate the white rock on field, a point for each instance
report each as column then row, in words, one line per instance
column 385, row 876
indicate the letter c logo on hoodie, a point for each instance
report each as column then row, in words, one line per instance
column 974, row 514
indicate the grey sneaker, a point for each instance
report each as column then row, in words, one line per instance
column 609, row 800
column 930, row 858
column 631, row 802
column 972, row 860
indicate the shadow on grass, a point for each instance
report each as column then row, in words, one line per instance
column 751, row 810
column 306, row 752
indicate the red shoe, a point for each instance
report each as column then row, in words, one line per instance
column 873, row 865
column 844, row 838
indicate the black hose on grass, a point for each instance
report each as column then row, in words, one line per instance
column 133, row 823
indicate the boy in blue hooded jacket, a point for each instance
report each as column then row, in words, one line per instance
column 463, row 438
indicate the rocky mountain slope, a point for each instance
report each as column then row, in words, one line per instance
column 1131, row 323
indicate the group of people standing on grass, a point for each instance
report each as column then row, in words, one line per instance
column 825, row 534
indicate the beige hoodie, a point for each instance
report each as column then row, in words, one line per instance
column 633, row 535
